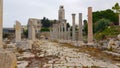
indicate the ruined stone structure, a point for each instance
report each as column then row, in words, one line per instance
column 1, row 23
column 17, row 31
column 90, row 28
column 60, row 32
column 37, row 24
column 31, row 30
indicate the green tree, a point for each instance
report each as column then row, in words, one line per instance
column 106, row 14
column 116, row 8
column 84, row 21
column 25, row 32
column 68, row 25
column 101, row 25
column 45, row 22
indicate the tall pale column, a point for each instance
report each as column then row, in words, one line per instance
column 119, row 19
column 62, row 31
column 59, row 30
column 80, row 28
column 1, row 21
column 56, row 31
column 31, row 31
column 90, row 26
column 73, row 27
column 65, row 30
column 69, row 36
column 53, row 31
column 18, row 31
column 50, row 34
column 61, row 13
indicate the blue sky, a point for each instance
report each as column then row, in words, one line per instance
column 22, row 10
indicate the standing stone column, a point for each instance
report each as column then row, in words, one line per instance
column 53, row 32
column 80, row 36
column 73, row 27
column 59, row 31
column 61, row 13
column 69, row 36
column 50, row 33
column 56, row 32
column 18, row 32
column 119, row 19
column 90, row 28
column 31, row 31
column 1, row 23
column 62, row 30
column 57, row 26
column 65, row 30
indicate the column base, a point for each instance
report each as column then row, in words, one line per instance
column 90, row 43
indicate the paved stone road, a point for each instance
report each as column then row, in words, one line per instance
column 55, row 55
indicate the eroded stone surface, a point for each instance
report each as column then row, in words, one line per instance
column 7, row 59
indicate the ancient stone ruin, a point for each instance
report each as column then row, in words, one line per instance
column 64, row 47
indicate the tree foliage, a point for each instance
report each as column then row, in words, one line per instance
column 101, row 25
column 98, row 26
column 106, row 14
column 46, row 23
column 68, row 25
column 44, row 29
column 116, row 8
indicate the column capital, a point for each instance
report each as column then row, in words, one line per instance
column 73, row 14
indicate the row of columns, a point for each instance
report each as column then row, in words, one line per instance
column 60, row 31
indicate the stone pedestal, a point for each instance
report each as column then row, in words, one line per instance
column 1, row 23
column 90, row 26
column 73, row 27
column 18, row 32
